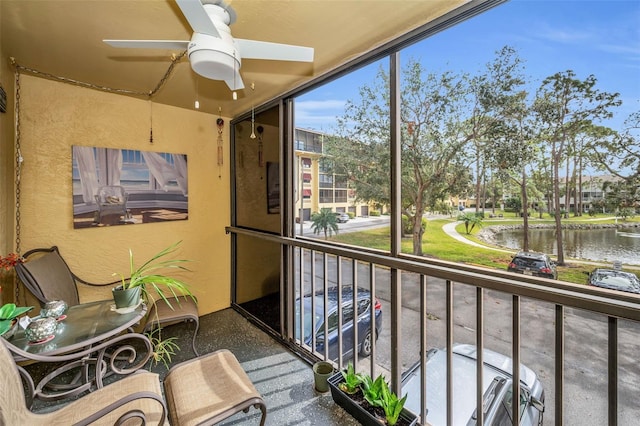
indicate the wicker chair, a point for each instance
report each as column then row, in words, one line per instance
column 48, row 277
column 138, row 395
column 111, row 200
column 201, row 391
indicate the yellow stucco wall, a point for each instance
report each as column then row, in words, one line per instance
column 7, row 237
column 54, row 117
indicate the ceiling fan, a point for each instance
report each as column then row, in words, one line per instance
column 212, row 50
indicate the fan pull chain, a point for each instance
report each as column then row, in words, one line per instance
column 150, row 121
column 220, row 124
column 260, row 147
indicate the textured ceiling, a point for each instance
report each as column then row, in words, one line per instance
column 64, row 38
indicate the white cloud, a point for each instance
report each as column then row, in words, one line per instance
column 318, row 114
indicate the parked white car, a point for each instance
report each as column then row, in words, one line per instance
column 496, row 386
column 342, row 217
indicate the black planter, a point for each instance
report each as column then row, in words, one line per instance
column 357, row 411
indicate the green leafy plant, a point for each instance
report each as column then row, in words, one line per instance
column 163, row 349
column 148, row 276
column 372, row 389
column 391, row 405
column 470, row 221
column 324, row 221
column 9, row 312
column 352, row 380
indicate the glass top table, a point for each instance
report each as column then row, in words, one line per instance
column 94, row 339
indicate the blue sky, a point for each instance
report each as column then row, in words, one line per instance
column 599, row 37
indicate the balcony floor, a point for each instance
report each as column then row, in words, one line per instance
column 284, row 379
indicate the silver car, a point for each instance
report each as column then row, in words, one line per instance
column 342, row 217
column 496, row 387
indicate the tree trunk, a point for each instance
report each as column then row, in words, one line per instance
column 417, row 235
column 478, row 174
column 525, row 211
column 567, row 191
column 579, row 189
column 555, row 155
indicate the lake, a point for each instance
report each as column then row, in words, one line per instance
column 599, row 244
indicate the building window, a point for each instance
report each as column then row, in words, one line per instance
column 326, row 181
column 326, row 196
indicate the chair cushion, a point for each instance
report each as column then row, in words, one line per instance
column 208, row 388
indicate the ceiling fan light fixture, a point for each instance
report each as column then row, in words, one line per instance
column 213, row 58
column 213, row 65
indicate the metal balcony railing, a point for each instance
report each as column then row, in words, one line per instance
column 554, row 327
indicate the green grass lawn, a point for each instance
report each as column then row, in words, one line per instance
column 437, row 244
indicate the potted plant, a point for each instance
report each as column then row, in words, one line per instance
column 143, row 283
column 371, row 402
column 9, row 314
column 146, row 280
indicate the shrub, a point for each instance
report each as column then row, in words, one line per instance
column 407, row 227
column 374, row 213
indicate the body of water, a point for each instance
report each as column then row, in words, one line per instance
column 603, row 244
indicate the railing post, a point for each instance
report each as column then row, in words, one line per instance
column 559, row 363
column 479, row 355
column 423, row 349
column 515, row 332
column 449, row 340
column 613, row 371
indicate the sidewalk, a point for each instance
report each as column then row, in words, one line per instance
column 450, row 229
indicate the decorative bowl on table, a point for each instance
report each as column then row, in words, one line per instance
column 54, row 309
column 41, row 330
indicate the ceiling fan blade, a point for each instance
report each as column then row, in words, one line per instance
column 252, row 49
column 197, row 16
column 149, row 44
column 236, row 82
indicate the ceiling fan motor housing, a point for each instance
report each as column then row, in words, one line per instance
column 212, row 57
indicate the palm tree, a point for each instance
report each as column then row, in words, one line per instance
column 470, row 221
column 324, row 221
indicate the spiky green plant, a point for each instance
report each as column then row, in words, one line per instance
column 391, row 405
column 163, row 349
column 352, row 380
column 372, row 389
column 148, row 276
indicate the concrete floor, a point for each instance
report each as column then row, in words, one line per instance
column 284, row 379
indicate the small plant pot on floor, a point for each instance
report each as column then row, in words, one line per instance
column 322, row 370
column 360, row 409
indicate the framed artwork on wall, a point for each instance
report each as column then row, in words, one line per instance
column 124, row 187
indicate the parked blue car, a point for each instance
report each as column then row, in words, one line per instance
column 364, row 321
